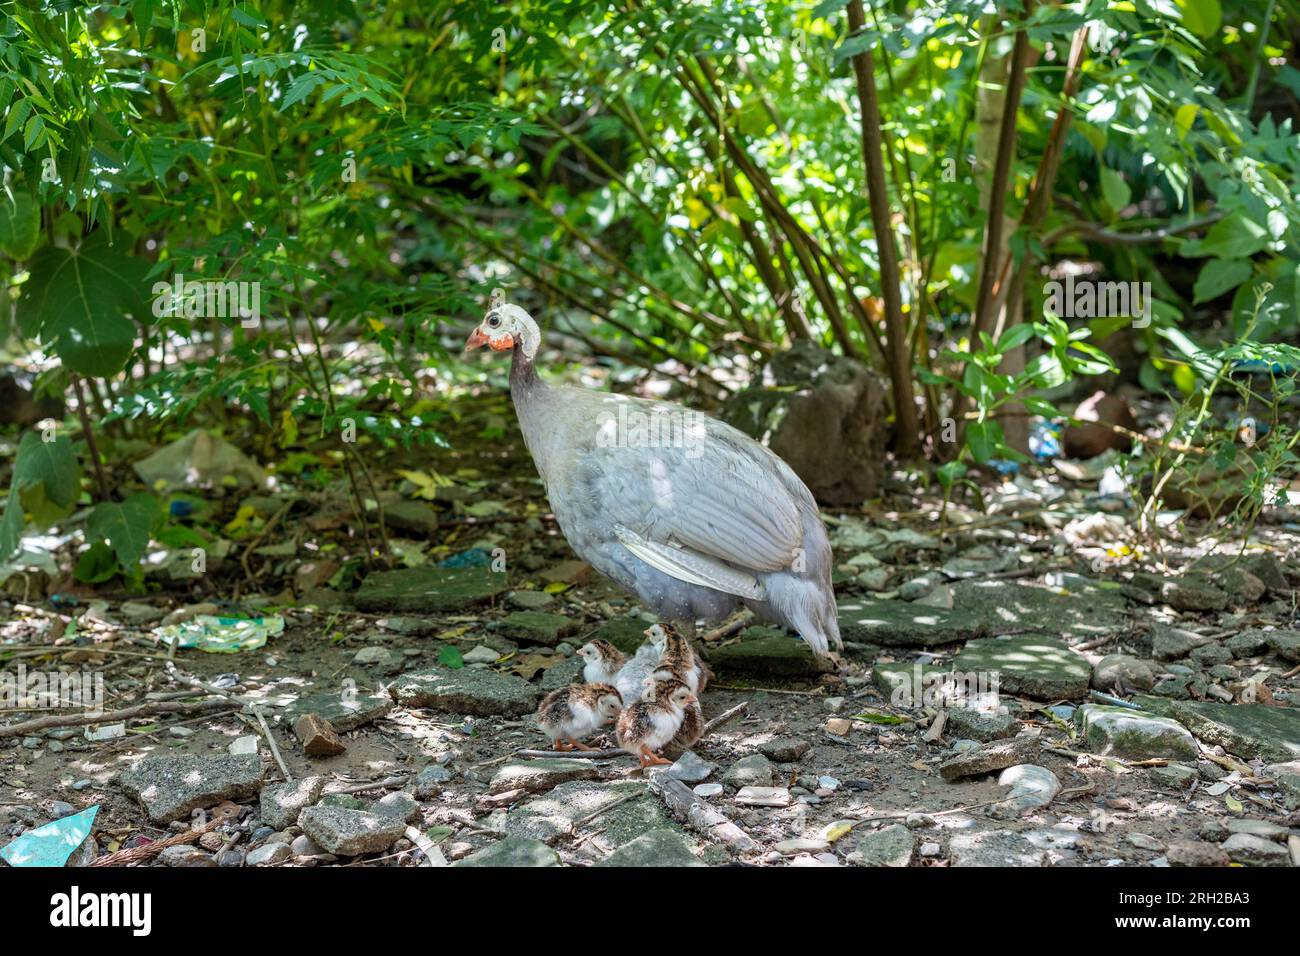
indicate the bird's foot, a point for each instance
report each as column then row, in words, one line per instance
column 581, row 746
column 651, row 759
column 560, row 745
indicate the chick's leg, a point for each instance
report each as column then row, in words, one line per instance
column 561, row 745
column 649, row 758
column 578, row 745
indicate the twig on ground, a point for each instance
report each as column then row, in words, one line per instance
column 106, row 717
column 700, row 816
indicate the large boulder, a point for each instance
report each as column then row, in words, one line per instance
column 824, row 414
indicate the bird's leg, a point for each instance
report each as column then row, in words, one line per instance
column 580, row 746
column 649, row 757
column 561, row 745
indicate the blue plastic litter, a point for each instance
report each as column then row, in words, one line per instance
column 1004, row 467
column 473, row 558
column 1045, row 440
column 52, row 844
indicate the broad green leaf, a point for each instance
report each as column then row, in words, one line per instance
column 984, row 439
column 79, row 301
column 20, row 225
column 1218, row 276
column 45, row 482
column 1202, row 17
column 126, row 526
column 1230, row 238
column 449, row 656
column 1114, row 189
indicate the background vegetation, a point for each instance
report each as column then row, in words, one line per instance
column 679, row 190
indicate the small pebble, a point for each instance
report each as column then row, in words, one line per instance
column 707, row 791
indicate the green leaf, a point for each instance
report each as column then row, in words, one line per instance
column 20, row 225
column 97, row 565
column 125, row 526
column 449, row 656
column 79, row 302
column 1184, row 378
column 984, row 439
column 1014, row 336
column 1202, row 17
column 46, row 482
column 1114, row 189
column 1230, row 238
column 1218, row 276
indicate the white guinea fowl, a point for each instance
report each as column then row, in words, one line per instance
column 691, row 515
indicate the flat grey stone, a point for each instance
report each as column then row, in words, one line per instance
column 169, row 788
column 1287, row 776
column 1250, row 850
column 1248, row 643
column 785, row 749
column 350, row 832
column 513, row 851
column 987, row 758
column 1036, row 666
column 1196, row 853
column 994, row 848
column 664, row 847
column 1260, row 828
column 549, row 830
column 529, row 600
column 972, row 725
column 1247, row 730
column 282, row 802
column 752, row 771
column 399, row 805
column 481, row 693
column 1123, row 673
column 891, row 846
column 1082, row 610
column 691, row 768
column 537, row 776
column 1175, row 776
column 346, row 711
column 766, row 650
column 1171, row 643
column 581, row 798
column 428, row 589
column 269, row 854
column 1133, row 735
column 1285, row 644
column 536, row 627
column 903, row 624
column 562, row 674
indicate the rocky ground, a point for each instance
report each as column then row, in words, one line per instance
column 1072, row 710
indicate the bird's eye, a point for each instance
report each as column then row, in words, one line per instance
column 494, row 320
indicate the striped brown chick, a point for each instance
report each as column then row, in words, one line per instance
column 648, row 726
column 602, row 662
column 573, row 713
column 692, row 719
column 680, row 657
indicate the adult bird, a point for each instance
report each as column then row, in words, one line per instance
column 691, row 515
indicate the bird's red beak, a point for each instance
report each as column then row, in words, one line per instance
column 476, row 338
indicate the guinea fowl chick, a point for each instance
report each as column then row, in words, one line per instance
column 692, row 728
column 603, row 661
column 679, row 657
column 631, row 677
column 576, row 711
column 650, row 725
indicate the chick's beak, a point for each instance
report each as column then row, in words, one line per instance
column 476, row 338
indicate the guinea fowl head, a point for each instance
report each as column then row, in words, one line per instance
column 504, row 327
